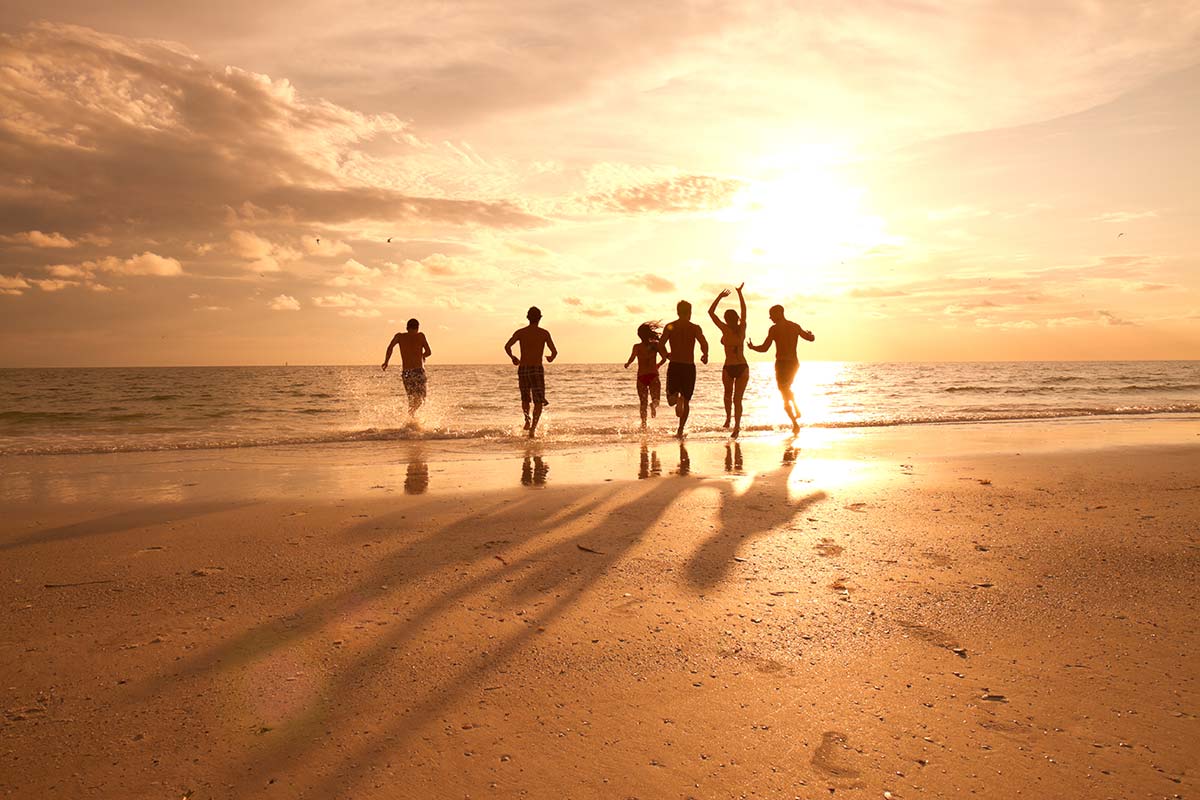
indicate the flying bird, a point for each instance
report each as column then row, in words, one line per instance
column 1119, row 235
column 389, row 240
column 318, row 240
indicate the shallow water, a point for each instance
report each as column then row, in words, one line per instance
column 104, row 410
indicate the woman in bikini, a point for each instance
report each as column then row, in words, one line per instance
column 645, row 352
column 736, row 373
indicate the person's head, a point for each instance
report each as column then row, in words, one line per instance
column 731, row 318
column 776, row 314
column 534, row 314
column 684, row 309
column 413, row 324
column 648, row 332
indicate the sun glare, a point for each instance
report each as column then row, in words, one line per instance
column 804, row 219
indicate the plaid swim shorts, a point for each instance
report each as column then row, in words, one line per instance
column 531, row 378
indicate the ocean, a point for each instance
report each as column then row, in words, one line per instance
column 45, row 411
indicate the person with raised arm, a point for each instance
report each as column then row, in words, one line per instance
column 414, row 349
column 735, row 375
column 531, row 375
column 678, row 346
column 784, row 334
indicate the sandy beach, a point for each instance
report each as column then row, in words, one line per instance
column 1008, row 611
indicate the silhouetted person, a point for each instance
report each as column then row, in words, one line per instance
column 531, row 375
column 645, row 352
column 736, row 372
column 678, row 345
column 414, row 349
column 785, row 334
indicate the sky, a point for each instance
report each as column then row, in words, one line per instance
column 914, row 180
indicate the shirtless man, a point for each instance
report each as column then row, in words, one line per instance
column 414, row 349
column 681, row 336
column 531, row 375
column 785, row 334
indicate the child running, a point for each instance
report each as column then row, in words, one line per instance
column 645, row 352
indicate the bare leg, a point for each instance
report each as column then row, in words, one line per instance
column 525, row 409
column 789, row 405
column 654, row 392
column 727, row 382
column 537, row 414
column 682, row 408
column 643, row 398
column 739, row 391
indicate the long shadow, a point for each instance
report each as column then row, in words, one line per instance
column 418, row 559
column 765, row 506
column 607, row 541
column 141, row 517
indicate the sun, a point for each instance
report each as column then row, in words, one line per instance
column 804, row 219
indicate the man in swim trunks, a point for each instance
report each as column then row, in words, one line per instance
column 414, row 349
column 681, row 336
column 531, row 375
column 785, row 334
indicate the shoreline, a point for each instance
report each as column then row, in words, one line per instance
column 1001, row 612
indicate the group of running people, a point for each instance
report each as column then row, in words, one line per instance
column 674, row 346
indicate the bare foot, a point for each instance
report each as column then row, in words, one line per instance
column 735, row 433
column 795, row 426
column 531, row 433
column 726, row 422
column 654, row 410
column 526, row 424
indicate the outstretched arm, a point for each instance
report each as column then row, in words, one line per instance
column 508, row 348
column 807, row 335
column 553, row 350
column 392, row 346
column 712, row 310
column 703, row 345
column 766, row 345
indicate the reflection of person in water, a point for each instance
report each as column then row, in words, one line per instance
column 733, row 458
column 416, row 478
column 649, row 466
column 534, row 470
column 685, row 463
column 790, row 452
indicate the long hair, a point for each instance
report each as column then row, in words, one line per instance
column 648, row 331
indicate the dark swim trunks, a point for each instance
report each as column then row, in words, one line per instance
column 414, row 382
column 785, row 373
column 531, row 379
column 681, row 380
column 736, row 371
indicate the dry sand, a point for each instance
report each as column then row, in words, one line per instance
column 994, row 624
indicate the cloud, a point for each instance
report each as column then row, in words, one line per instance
column 527, row 248
column 440, row 264
column 654, row 283
column 1112, row 319
column 13, row 284
column 146, row 264
column 359, row 313
column 573, row 301
column 355, row 274
column 54, row 284
column 324, row 246
column 249, row 246
column 598, row 312
column 1125, row 216
column 341, row 300
column 38, row 239
column 682, row 194
column 284, row 302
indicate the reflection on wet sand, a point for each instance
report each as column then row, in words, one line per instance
column 685, row 463
column 733, row 458
column 416, row 478
column 534, row 470
column 649, row 465
column 790, row 452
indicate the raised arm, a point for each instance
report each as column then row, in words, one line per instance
column 742, row 303
column 508, row 348
column 703, row 345
column 712, row 309
column 392, row 346
column 553, row 350
column 766, row 345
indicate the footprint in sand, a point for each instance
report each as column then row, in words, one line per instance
column 831, row 755
column 827, row 548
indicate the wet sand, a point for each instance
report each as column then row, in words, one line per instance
column 763, row 621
